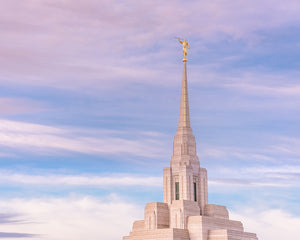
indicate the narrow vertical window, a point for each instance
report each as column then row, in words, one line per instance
column 176, row 190
column 195, row 192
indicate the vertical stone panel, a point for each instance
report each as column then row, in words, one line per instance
column 167, row 182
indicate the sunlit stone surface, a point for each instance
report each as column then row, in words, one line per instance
column 185, row 213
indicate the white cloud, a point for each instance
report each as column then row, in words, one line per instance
column 74, row 218
column 269, row 224
column 45, row 139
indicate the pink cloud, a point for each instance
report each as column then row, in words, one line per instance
column 12, row 106
column 79, row 44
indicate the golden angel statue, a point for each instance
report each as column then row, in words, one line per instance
column 185, row 44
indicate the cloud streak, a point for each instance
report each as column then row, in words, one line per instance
column 98, row 181
column 16, row 235
column 271, row 149
column 47, row 139
column 11, row 106
column 259, row 176
column 262, row 176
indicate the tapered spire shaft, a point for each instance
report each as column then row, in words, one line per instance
column 184, row 112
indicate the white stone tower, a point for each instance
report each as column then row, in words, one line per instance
column 185, row 183
column 185, row 213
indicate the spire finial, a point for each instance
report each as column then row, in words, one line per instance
column 185, row 44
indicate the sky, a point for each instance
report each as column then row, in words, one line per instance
column 89, row 104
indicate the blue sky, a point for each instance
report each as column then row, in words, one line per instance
column 89, row 103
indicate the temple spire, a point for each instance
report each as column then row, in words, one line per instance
column 184, row 112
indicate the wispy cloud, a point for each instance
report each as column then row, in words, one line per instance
column 10, row 218
column 17, row 235
column 272, row 162
column 259, row 89
column 46, row 139
column 265, row 149
column 287, row 176
column 257, row 176
column 9, row 106
column 95, row 45
column 230, row 153
column 287, row 145
column 87, row 180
